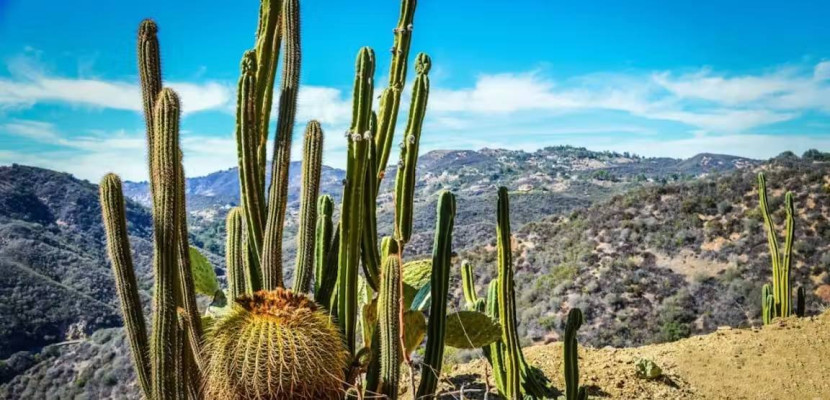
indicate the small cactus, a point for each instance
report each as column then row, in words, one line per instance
column 572, row 389
column 233, row 254
column 390, row 312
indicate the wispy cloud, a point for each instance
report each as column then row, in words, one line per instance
column 30, row 84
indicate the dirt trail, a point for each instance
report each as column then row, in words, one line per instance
column 789, row 359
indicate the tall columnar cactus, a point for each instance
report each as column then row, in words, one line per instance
column 166, row 337
column 507, row 308
column 439, row 281
column 390, row 99
column 118, row 247
column 149, row 72
column 251, row 188
column 572, row 389
column 233, row 253
column 390, row 312
column 351, row 209
column 781, row 262
column 405, row 179
column 278, row 193
column 306, row 243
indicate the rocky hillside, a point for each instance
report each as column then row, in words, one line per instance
column 549, row 181
column 663, row 262
column 55, row 281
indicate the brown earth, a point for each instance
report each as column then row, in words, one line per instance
column 790, row 359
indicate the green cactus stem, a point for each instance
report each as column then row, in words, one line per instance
column 405, row 179
column 801, row 302
column 149, row 73
column 390, row 311
column 165, row 338
column 306, row 239
column 468, row 284
column 781, row 263
column 322, row 244
column 278, row 191
column 572, row 389
column 267, row 50
column 252, row 193
column 495, row 351
column 233, row 253
column 390, row 100
column 370, row 256
column 441, row 263
column 350, row 211
column 118, row 248
column 507, row 308
column 767, row 304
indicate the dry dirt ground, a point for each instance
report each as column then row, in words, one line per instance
column 790, row 359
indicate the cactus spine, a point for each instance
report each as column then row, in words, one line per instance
column 312, row 164
column 781, row 263
column 439, row 280
column 572, row 389
column 233, row 253
column 390, row 312
column 405, row 179
column 278, row 192
column 118, row 247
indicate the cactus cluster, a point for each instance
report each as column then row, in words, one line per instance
column 515, row 377
column 337, row 332
column 776, row 299
column 269, row 341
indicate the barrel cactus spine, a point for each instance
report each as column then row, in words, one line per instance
column 273, row 345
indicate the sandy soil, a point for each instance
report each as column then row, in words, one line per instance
column 789, row 359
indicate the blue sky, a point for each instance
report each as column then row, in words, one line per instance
column 656, row 78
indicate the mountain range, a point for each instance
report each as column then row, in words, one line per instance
column 649, row 245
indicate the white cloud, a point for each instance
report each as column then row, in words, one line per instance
column 30, row 85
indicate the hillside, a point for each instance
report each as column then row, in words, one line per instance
column 548, row 181
column 55, row 281
column 663, row 262
column 785, row 360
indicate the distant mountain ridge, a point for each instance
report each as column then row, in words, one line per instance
column 482, row 167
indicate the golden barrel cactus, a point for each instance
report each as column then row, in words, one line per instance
column 274, row 345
